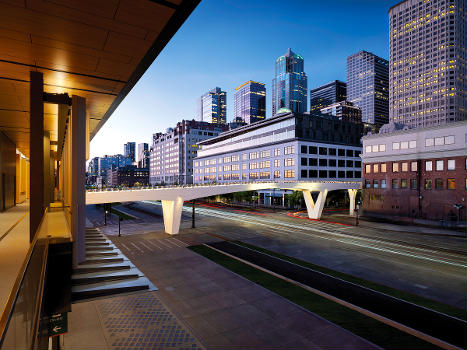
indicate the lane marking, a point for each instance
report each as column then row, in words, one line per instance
column 164, row 244
column 154, row 244
column 134, row 245
column 181, row 242
column 141, row 242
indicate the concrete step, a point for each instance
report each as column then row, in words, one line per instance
column 94, row 244
column 95, row 268
column 99, row 248
column 103, row 254
column 102, row 261
column 77, row 280
column 94, row 290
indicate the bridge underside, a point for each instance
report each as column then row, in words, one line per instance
column 172, row 198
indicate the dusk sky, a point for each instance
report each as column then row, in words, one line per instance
column 228, row 42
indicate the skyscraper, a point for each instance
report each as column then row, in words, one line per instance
column 289, row 86
column 143, row 155
column 250, row 102
column 368, row 86
column 212, row 107
column 325, row 95
column 427, row 48
column 129, row 150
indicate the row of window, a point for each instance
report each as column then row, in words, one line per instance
column 429, row 142
column 440, row 184
column 332, row 174
column 246, row 156
column 404, row 166
column 245, row 176
column 324, row 151
column 330, row 162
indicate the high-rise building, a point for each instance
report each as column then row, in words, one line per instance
column 172, row 153
column 212, row 107
column 250, row 102
column 344, row 110
column 327, row 94
column 289, row 86
column 143, row 155
column 427, row 53
column 368, row 86
column 129, row 150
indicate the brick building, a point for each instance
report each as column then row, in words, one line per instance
column 127, row 176
column 416, row 173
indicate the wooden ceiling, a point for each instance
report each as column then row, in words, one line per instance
column 97, row 49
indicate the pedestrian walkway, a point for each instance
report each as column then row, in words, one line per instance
column 136, row 321
column 14, row 245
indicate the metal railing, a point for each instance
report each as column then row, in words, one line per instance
column 20, row 321
column 211, row 184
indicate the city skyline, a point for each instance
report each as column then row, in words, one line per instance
column 154, row 104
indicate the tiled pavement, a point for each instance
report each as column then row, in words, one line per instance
column 224, row 310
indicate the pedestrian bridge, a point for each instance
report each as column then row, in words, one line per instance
column 172, row 197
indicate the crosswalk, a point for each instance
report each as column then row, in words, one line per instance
column 139, row 246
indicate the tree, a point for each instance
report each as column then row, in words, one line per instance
column 295, row 199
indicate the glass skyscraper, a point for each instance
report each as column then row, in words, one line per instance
column 427, row 48
column 325, row 95
column 250, row 102
column 368, row 86
column 129, row 150
column 289, row 86
column 212, row 107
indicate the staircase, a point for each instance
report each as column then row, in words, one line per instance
column 106, row 271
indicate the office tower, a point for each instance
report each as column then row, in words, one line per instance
column 368, row 86
column 289, row 86
column 212, row 107
column 344, row 110
column 172, row 152
column 327, row 94
column 427, row 49
column 143, row 155
column 250, row 102
column 129, row 150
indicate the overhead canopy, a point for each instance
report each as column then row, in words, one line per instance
column 97, row 49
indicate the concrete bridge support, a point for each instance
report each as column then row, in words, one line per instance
column 172, row 212
column 315, row 209
column 352, row 195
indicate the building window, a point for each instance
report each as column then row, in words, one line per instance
column 367, row 184
column 244, row 166
column 254, row 155
column 277, row 152
column 405, row 166
column 451, row 184
column 439, row 185
column 395, row 167
column 289, row 173
column 332, row 173
column 383, row 183
column 227, row 168
column 264, row 164
column 289, row 162
column 323, row 162
column 413, row 166
column 439, row 165
column 277, row 163
column 413, row 184
column 396, row 145
column 382, row 148
column 428, row 165
column 368, row 169
column 451, row 164
column 253, row 175
column 429, row 142
column 227, row 159
column 235, row 176
column 313, row 173
column 367, row 149
column 304, row 161
column 264, row 175
column 374, row 148
column 412, row 144
column 404, row 183
column 303, row 149
column 383, row 167
column 428, row 184
column 304, row 173
column 288, row 150
column 439, row 141
column 332, row 151
column 226, row 176
column 254, row 165
column 395, row 183
column 449, row 140
column 265, row 154
column 244, row 156
column 277, row 174
column 235, row 167
column 323, row 151
column 235, row 158
column 313, row 150
column 312, row 162
column 375, row 184
column 404, row 144
column 332, row 162
column 376, row 168
column 244, row 176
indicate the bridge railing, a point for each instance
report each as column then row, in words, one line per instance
column 139, row 188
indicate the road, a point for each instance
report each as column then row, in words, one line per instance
column 425, row 264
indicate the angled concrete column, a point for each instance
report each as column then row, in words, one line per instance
column 352, row 195
column 315, row 209
column 172, row 211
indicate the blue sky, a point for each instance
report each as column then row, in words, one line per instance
column 227, row 42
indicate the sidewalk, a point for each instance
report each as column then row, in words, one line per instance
column 13, row 247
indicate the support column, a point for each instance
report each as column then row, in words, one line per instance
column 78, row 177
column 172, row 212
column 36, row 141
column 313, row 208
column 352, row 195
